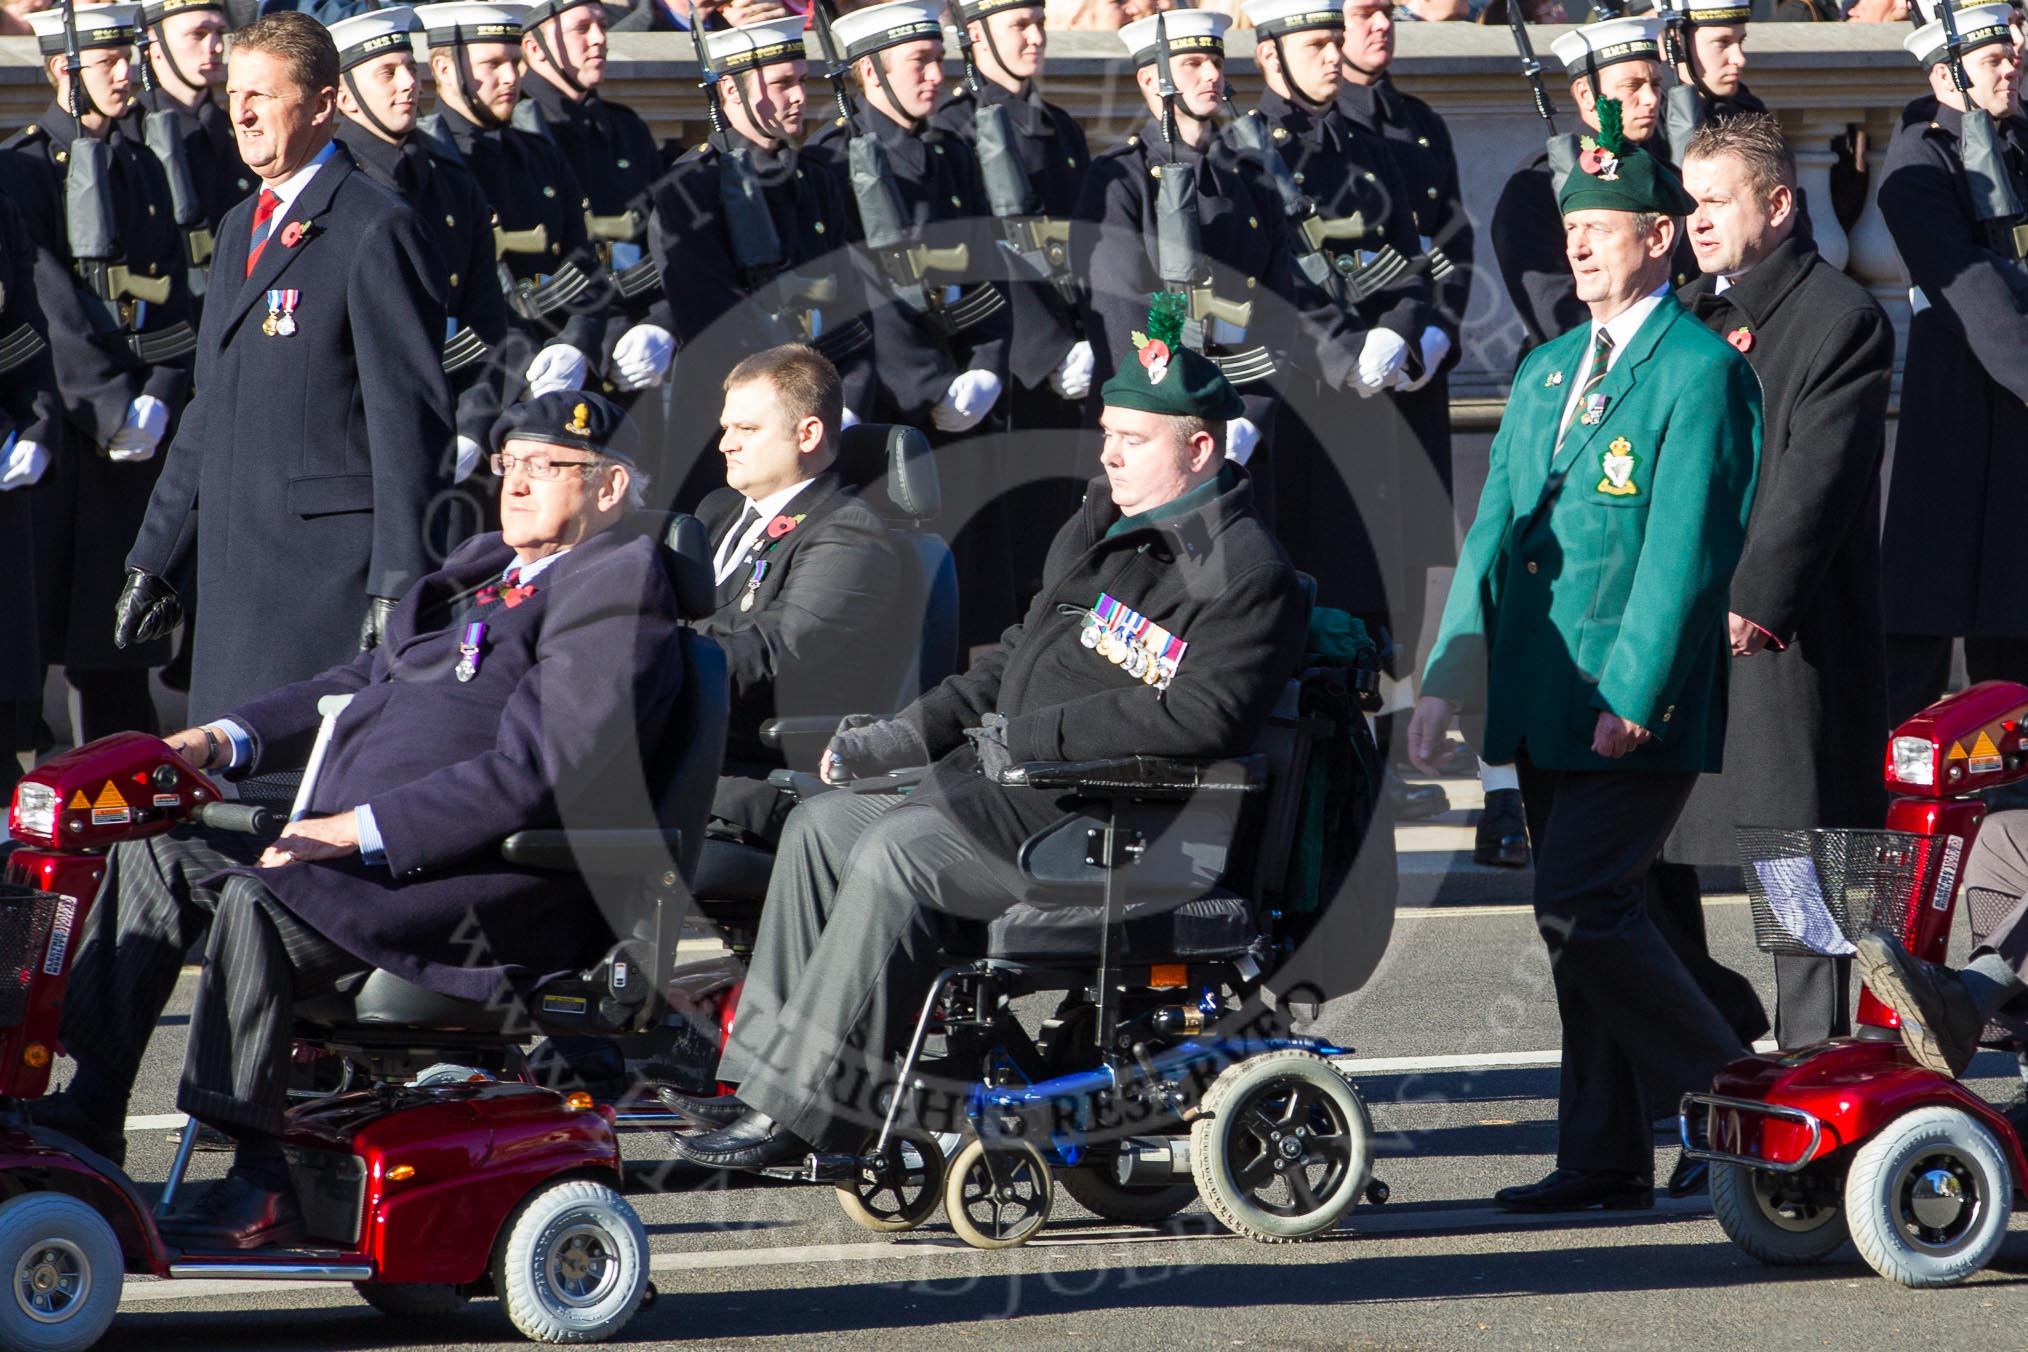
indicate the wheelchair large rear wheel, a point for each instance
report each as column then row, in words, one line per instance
column 902, row 1190
column 1283, row 1147
column 987, row 1215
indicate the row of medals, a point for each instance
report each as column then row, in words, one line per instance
column 279, row 324
column 1136, row 659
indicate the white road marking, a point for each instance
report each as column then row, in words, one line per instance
column 1399, row 1065
column 1508, row 908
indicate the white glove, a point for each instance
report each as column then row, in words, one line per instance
column 848, row 419
column 1435, row 345
column 1241, row 436
column 22, row 464
column 970, row 397
column 1380, row 362
column 641, row 357
column 470, row 453
column 147, row 420
column 1072, row 376
column 557, row 367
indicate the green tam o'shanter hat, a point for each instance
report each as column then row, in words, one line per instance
column 1613, row 174
column 1163, row 376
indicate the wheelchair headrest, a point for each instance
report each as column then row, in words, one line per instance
column 892, row 467
column 686, row 557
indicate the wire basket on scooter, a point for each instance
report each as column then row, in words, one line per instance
column 1815, row 891
column 25, row 918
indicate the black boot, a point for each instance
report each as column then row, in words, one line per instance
column 1502, row 839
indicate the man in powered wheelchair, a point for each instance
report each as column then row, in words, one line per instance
column 513, row 689
column 1165, row 634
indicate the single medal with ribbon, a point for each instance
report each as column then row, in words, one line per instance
column 272, row 325
column 753, row 581
column 286, row 325
column 468, row 650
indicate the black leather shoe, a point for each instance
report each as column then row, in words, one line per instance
column 62, row 1112
column 722, row 1111
column 1580, row 1190
column 1419, row 802
column 1940, row 1025
column 755, row 1141
column 235, row 1214
column 1689, row 1177
column 1502, row 839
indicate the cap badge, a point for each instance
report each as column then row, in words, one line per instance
column 578, row 426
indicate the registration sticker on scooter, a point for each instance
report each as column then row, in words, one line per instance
column 1947, row 873
column 59, row 936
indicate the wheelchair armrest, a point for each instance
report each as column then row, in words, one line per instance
column 617, row 851
column 807, row 786
column 1145, row 777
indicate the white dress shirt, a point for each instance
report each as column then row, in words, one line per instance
column 290, row 188
column 733, row 549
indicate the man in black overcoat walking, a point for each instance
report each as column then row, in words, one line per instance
column 301, row 478
column 1807, row 713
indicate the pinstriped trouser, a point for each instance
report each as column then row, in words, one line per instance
column 258, row 960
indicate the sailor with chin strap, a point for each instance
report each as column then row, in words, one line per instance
column 118, row 296
column 163, row 133
column 1587, row 51
column 1688, row 106
column 1945, row 35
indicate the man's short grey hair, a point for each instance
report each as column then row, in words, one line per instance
column 638, row 481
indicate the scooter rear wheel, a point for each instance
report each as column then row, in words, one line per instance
column 573, row 1266
column 1929, row 1197
column 1778, row 1229
column 64, row 1271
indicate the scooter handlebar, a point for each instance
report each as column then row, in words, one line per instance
column 247, row 819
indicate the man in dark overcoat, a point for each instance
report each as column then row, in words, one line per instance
column 301, row 479
column 119, row 328
column 515, row 686
column 1807, row 706
column 811, row 602
column 1168, row 622
column 1953, row 552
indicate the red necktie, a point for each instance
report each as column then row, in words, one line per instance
column 264, row 212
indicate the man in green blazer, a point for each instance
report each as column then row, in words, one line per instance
column 1587, row 621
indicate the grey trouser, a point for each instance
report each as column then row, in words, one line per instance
column 1998, row 862
column 847, row 952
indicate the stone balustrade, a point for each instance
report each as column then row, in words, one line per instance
column 1824, row 80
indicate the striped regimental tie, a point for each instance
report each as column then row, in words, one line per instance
column 1594, row 376
column 264, row 221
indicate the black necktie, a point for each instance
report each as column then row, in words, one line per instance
column 729, row 544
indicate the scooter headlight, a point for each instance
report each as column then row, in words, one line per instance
column 34, row 816
column 1914, row 761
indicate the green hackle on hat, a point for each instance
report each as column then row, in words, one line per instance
column 1611, row 131
column 1161, row 375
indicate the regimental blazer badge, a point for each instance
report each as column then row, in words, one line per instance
column 1618, row 463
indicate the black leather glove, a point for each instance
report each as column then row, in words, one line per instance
column 989, row 739
column 867, row 744
column 373, row 628
column 148, row 608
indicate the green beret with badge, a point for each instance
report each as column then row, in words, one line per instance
column 1164, row 376
column 1615, row 174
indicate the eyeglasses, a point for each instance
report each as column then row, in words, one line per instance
column 537, row 466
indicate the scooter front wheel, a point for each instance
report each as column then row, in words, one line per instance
column 1929, row 1197
column 573, row 1267
column 64, row 1271
column 1773, row 1217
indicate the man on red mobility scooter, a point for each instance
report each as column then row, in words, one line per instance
column 510, row 682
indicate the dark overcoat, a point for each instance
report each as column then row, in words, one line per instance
column 1954, row 552
column 303, row 474
column 572, row 683
column 88, row 507
column 30, row 410
column 1213, row 577
column 1805, row 722
column 831, row 611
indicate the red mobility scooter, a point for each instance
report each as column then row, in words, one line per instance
column 1851, row 1138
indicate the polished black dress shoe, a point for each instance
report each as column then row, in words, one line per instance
column 1418, row 802
column 1502, row 839
column 105, row 1135
column 236, row 1214
column 755, row 1141
column 1689, row 1177
column 721, row 1111
column 1580, row 1190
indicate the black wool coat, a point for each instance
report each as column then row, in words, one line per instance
column 29, row 409
column 1954, row 552
column 1214, row 577
column 1806, row 723
column 301, row 478
column 573, row 685
column 826, row 629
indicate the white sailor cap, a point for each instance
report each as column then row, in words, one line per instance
column 1705, row 13
column 875, row 29
column 375, row 33
column 454, row 23
column 1978, row 26
column 1598, row 45
column 1272, row 18
column 549, row 9
column 154, row 11
column 97, row 26
column 1190, row 30
column 767, row 43
column 969, row 10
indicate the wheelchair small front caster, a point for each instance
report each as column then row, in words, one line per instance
column 1378, row 1192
